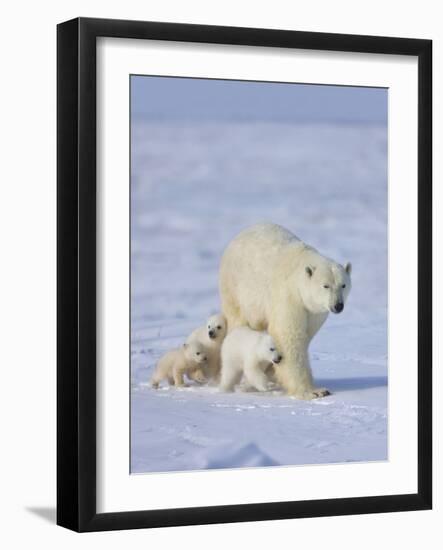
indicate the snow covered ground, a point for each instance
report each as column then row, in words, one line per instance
column 194, row 187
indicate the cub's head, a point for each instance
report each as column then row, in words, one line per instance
column 267, row 350
column 195, row 352
column 216, row 327
column 326, row 286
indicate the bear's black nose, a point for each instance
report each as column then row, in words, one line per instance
column 278, row 359
column 211, row 333
column 338, row 307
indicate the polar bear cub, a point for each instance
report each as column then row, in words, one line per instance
column 211, row 337
column 190, row 359
column 246, row 352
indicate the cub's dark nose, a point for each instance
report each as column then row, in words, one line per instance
column 211, row 333
column 338, row 308
column 278, row 359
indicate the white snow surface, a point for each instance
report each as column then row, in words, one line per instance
column 194, row 186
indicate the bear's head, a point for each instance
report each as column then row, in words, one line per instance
column 267, row 350
column 216, row 327
column 195, row 352
column 326, row 286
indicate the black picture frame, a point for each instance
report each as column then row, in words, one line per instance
column 76, row 273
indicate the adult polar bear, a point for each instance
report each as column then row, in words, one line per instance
column 271, row 280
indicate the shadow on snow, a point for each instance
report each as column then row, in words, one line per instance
column 356, row 383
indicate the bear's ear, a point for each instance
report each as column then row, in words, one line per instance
column 309, row 271
column 348, row 267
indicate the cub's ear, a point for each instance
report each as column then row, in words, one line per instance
column 309, row 271
column 348, row 267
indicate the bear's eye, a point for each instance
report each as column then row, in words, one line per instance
column 209, row 326
column 325, row 286
column 197, row 353
column 343, row 286
column 271, row 349
column 219, row 327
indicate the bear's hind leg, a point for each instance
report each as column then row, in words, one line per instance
column 156, row 378
column 230, row 377
column 232, row 313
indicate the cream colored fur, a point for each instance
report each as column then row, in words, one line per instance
column 189, row 360
column 271, row 280
column 211, row 337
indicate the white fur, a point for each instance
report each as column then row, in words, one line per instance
column 271, row 280
column 211, row 337
column 247, row 353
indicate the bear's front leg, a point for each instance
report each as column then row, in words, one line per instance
column 214, row 367
column 178, row 374
column 256, row 377
column 198, row 375
column 294, row 372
